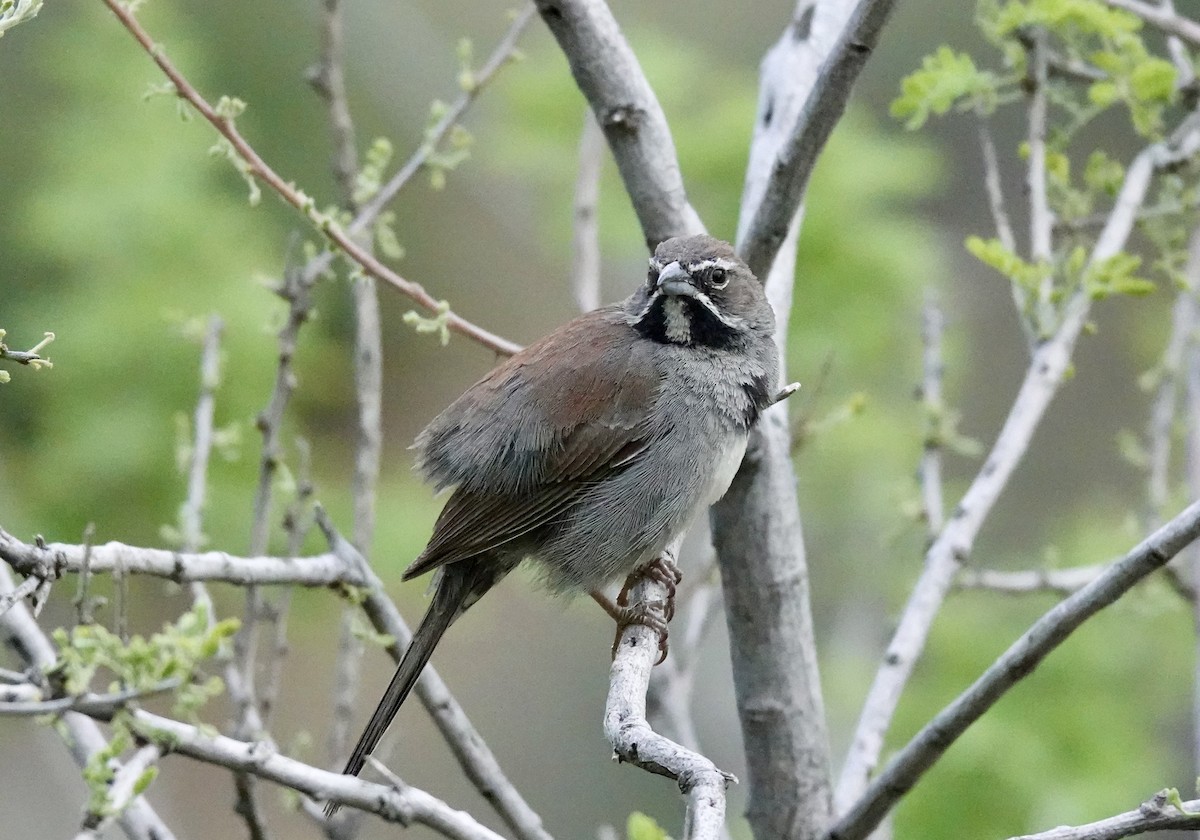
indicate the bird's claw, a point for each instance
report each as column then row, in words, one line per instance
column 655, row 615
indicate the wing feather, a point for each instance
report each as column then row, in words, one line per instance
column 524, row 444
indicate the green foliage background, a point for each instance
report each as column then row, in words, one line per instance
column 119, row 233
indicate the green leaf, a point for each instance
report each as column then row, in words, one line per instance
column 641, row 827
column 991, row 252
column 946, row 79
column 1153, row 80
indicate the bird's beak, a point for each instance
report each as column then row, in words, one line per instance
column 675, row 281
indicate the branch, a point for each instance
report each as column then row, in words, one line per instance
column 1155, row 814
column 825, row 101
column 932, row 324
column 329, row 228
column 1164, row 18
column 1172, row 373
column 946, row 554
column 1041, row 219
column 756, row 528
column 608, row 74
column 585, row 240
column 1058, row 581
column 633, row 741
column 407, row 806
column 55, row 559
column 94, row 705
column 1046, row 634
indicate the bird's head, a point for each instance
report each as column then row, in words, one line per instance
column 699, row 292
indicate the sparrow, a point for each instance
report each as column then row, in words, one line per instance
column 589, row 451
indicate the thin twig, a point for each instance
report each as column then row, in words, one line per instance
column 1164, row 18
column 673, row 682
column 328, row 227
column 1155, row 814
column 585, row 240
column 296, row 523
column 1000, row 218
column 83, row 601
column 1046, row 634
column 93, row 705
column 1041, row 219
column 932, row 323
column 27, row 588
column 1172, row 373
column 1024, row 582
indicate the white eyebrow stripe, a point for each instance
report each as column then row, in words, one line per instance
column 717, row 262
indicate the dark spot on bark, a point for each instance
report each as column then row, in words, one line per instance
column 549, row 10
column 959, row 512
column 624, row 117
column 769, row 113
column 803, row 25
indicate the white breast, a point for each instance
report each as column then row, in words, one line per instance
column 725, row 468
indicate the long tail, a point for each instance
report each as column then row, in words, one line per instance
column 448, row 603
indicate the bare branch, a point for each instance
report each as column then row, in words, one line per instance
column 1041, row 219
column 263, row 761
column 953, row 545
column 1155, row 814
column 825, row 100
column 608, row 74
column 56, row 559
column 27, row 588
column 329, row 228
column 1058, row 581
column 1046, row 634
column 94, row 705
column 991, row 180
column 1172, row 373
column 932, row 323
column 1164, row 18
column 585, row 270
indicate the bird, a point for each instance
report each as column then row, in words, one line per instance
column 591, row 450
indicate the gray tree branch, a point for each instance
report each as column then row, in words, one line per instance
column 608, row 74
column 1046, row 634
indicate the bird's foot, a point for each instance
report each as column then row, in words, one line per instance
column 661, row 569
column 655, row 615
column 648, row 614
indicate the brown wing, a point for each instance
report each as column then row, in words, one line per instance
column 524, row 443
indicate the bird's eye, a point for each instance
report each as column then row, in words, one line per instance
column 720, row 278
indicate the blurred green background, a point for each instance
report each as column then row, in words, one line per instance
column 118, row 232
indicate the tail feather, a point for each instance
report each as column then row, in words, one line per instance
column 447, row 605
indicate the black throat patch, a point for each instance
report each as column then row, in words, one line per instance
column 673, row 319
